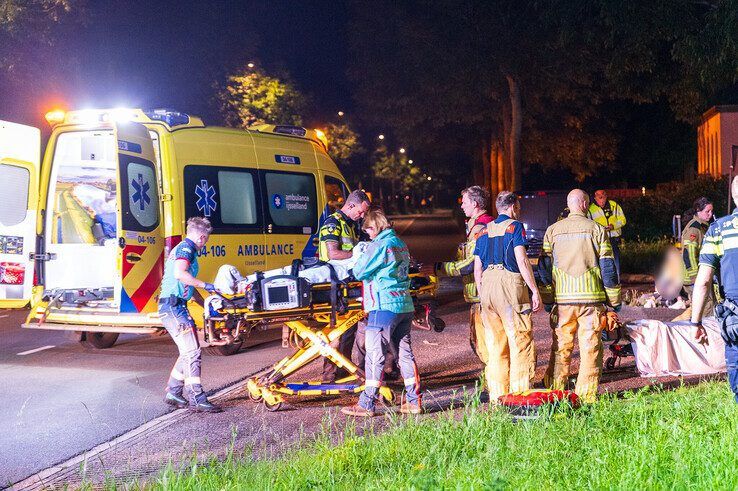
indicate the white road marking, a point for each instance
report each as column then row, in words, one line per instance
column 30, row 351
column 3, row 316
column 409, row 223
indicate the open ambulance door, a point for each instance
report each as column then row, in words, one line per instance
column 20, row 148
column 140, row 227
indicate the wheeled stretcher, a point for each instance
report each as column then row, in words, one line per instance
column 318, row 315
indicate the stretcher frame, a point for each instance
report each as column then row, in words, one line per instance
column 316, row 326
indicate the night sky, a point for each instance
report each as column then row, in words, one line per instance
column 168, row 54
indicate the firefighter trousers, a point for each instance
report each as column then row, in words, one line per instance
column 476, row 332
column 508, row 333
column 582, row 321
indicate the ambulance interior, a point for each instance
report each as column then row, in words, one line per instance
column 81, row 212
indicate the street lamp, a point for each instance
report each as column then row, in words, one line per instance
column 381, row 137
column 410, row 161
column 340, row 114
column 402, row 150
column 250, row 65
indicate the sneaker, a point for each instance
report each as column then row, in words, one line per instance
column 205, row 406
column 408, row 408
column 175, row 400
column 357, row 410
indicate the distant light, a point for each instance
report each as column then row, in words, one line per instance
column 525, row 226
column 410, row 161
column 430, row 178
column 250, row 65
column 55, row 117
column 402, row 150
column 340, row 114
column 643, row 191
column 381, row 137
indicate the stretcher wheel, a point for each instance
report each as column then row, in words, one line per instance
column 610, row 363
column 225, row 350
column 255, row 398
column 273, row 407
column 99, row 340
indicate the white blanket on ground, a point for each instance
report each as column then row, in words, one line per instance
column 669, row 348
column 229, row 279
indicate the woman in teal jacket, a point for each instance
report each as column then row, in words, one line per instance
column 383, row 268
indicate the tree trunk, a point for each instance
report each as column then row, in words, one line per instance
column 486, row 167
column 505, row 173
column 516, row 131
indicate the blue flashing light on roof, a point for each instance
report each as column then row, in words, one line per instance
column 172, row 118
column 290, row 130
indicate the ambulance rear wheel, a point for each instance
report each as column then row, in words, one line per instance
column 99, row 340
column 225, row 350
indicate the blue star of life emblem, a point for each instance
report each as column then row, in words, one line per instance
column 141, row 196
column 205, row 198
column 277, row 200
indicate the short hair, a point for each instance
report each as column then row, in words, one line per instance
column 199, row 225
column 505, row 199
column 376, row 219
column 477, row 195
column 357, row 197
column 700, row 203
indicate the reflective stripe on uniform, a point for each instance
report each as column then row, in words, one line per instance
column 192, row 381
column 373, row 383
column 409, row 381
column 176, row 375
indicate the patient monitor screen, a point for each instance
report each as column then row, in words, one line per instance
column 279, row 294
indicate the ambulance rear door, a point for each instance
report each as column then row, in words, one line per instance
column 140, row 236
column 20, row 148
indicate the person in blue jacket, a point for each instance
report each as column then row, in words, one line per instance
column 383, row 268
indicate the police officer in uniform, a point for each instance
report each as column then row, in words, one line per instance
column 692, row 238
column 504, row 276
column 184, row 388
column 610, row 215
column 720, row 252
column 577, row 270
column 338, row 236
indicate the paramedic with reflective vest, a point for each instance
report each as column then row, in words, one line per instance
column 720, row 252
column 178, row 285
column 384, row 268
column 610, row 215
column 577, row 270
column 474, row 202
column 338, row 236
column 503, row 276
column 692, row 238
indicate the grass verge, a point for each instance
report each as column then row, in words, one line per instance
column 650, row 439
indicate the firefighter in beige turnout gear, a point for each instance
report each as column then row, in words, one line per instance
column 474, row 202
column 504, row 276
column 578, row 272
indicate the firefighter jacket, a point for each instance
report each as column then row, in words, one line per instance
column 337, row 228
column 610, row 214
column 577, row 265
column 692, row 237
column 384, row 268
column 464, row 264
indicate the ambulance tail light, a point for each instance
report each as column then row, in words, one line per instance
column 170, row 243
column 12, row 273
column 55, row 117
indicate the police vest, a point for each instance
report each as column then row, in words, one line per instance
column 336, row 228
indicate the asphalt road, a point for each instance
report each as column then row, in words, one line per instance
column 61, row 399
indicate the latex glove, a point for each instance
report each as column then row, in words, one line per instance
column 210, row 288
column 548, row 307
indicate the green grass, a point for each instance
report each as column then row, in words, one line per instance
column 642, row 256
column 652, row 439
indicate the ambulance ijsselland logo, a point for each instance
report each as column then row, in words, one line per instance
column 278, row 201
column 141, row 196
column 205, row 198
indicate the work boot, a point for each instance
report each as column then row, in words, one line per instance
column 205, row 406
column 175, row 400
column 409, row 408
column 357, row 410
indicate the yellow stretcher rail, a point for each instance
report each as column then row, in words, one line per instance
column 318, row 335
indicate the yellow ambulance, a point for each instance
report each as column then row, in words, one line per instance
column 84, row 235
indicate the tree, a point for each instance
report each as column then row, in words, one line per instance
column 343, row 142
column 395, row 170
column 250, row 97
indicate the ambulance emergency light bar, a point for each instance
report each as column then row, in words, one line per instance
column 118, row 115
column 283, row 129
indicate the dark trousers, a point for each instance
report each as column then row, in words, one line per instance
column 615, row 243
column 731, row 360
column 390, row 357
column 345, row 346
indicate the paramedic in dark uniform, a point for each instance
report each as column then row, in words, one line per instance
column 504, row 276
column 720, row 252
column 178, row 285
column 338, row 236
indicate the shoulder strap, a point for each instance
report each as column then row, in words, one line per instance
column 495, row 227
